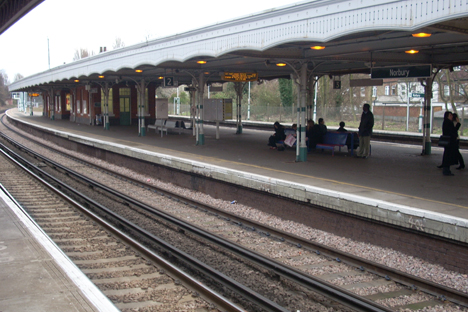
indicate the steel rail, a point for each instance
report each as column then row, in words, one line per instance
column 440, row 291
column 204, row 291
column 329, row 290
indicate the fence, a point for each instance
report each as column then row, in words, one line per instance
column 331, row 114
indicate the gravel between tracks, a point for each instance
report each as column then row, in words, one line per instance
column 385, row 256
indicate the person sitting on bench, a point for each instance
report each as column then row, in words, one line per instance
column 279, row 135
column 341, row 128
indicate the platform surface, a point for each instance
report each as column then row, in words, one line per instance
column 395, row 173
column 32, row 277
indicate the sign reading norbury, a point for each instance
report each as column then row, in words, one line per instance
column 401, row 72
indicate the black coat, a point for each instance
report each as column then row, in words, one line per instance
column 367, row 123
column 450, row 152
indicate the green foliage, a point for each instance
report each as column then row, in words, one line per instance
column 286, row 91
column 228, row 93
column 184, row 97
column 266, row 94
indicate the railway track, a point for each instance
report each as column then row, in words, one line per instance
column 128, row 273
column 341, row 269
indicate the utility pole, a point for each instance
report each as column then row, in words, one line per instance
column 48, row 50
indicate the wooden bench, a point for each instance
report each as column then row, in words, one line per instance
column 334, row 139
column 159, row 124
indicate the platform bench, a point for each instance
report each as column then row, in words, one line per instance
column 334, row 139
column 171, row 124
column 159, row 124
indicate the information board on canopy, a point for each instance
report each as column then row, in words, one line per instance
column 217, row 109
column 162, row 108
column 240, row 77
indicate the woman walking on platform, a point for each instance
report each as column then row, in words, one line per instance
column 450, row 151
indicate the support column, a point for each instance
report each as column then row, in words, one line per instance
column 239, row 86
column 52, row 104
column 302, row 116
column 427, row 116
column 106, row 106
column 310, row 98
column 193, row 108
column 201, row 90
column 91, row 109
column 141, row 108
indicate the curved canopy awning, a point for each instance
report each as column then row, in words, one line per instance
column 354, row 36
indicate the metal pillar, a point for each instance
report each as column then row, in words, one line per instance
column 248, row 104
column 91, row 114
column 193, row 108
column 52, row 104
column 427, row 116
column 239, row 86
column 105, row 121
column 311, row 98
column 302, row 116
column 141, row 86
column 201, row 90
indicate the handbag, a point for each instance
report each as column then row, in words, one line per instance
column 444, row 140
column 290, row 140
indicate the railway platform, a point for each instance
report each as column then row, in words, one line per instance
column 395, row 185
column 35, row 274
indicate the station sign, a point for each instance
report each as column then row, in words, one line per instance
column 420, row 71
column 32, row 94
column 417, row 95
column 170, row 82
column 216, row 89
column 240, row 77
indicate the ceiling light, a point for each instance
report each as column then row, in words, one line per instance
column 281, row 64
column 160, row 77
column 138, row 71
column 421, row 35
column 412, row 51
column 101, row 76
column 317, row 47
column 201, row 62
column 76, row 80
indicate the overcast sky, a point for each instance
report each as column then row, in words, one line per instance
column 63, row 26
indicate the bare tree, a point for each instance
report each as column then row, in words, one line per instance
column 118, row 43
column 4, row 92
column 82, row 53
column 18, row 76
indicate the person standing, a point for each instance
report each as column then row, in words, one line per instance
column 365, row 131
column 459, row 155
column 450, row 151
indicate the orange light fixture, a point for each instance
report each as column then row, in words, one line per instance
column 101, row 76
column 201, row 62
column 412, row 51
column 317, row 47
column 76, row 80
column 421, row 35
column 138, row 71
column 206, row 73
column 160, row 77
column 280, row 64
